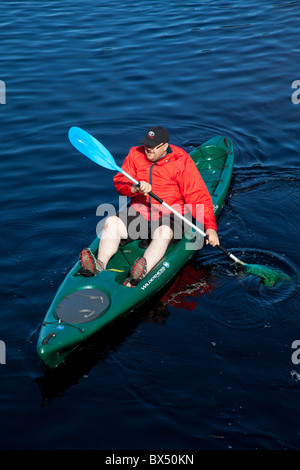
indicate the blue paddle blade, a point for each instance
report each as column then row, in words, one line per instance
column 92, row 148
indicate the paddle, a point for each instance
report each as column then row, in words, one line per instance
column 95, row 151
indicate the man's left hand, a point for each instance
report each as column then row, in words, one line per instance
column 213, row 238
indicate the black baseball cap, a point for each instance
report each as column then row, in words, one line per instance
column 156, row 135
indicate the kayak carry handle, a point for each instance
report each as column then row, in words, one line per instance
column 48, row 337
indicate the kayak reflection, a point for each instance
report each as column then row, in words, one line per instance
column 193, row 282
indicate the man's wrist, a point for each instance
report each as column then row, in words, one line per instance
column 135, row 188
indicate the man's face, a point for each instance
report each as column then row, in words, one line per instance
column 155, row 153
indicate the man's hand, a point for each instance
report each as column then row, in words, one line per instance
column 213, row 238
column 143, row 187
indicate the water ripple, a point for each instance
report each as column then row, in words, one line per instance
column 241, row 300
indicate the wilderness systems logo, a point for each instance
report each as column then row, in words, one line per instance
column 165, row 266
column 2, row 92
column 2, row 352
column 295, row 96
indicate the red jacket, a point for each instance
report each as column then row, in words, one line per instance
column 174, row 178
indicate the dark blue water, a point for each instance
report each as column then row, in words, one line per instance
column 207, row 365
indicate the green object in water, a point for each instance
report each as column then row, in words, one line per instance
column 270, row 277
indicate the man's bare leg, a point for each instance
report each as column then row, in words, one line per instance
column 114, row 230
column 158, row 246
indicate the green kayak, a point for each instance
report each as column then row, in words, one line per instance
column 83, row 305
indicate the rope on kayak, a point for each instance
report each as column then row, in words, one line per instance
column 125, row 257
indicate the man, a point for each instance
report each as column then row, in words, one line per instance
column 171, row 174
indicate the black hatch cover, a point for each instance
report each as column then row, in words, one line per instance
column 82, row 306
